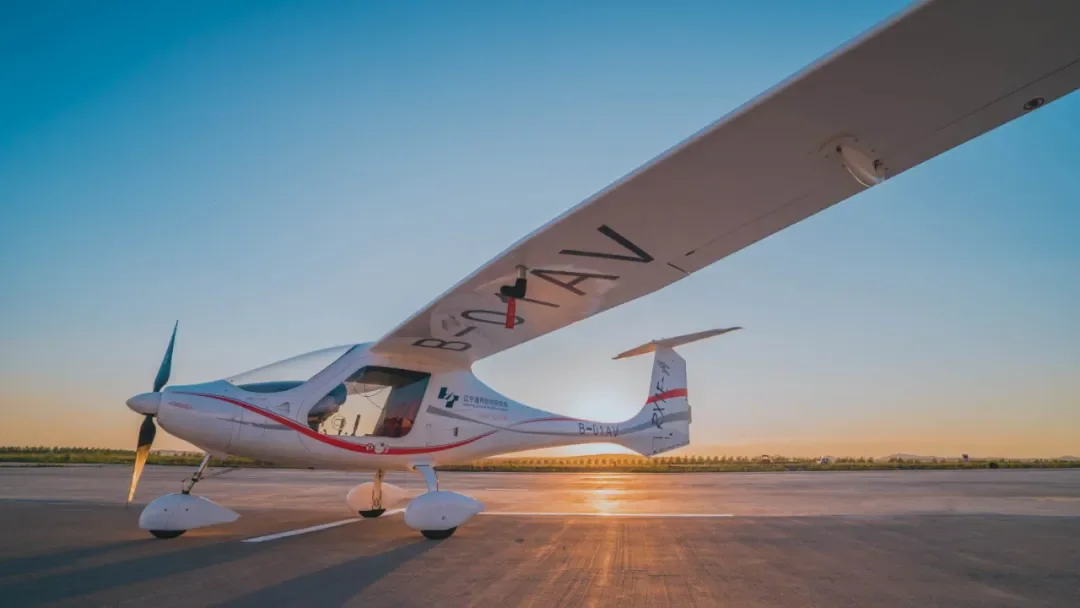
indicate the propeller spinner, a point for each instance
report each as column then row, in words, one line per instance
column 147, row 405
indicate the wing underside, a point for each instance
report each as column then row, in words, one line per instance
column 930, row 79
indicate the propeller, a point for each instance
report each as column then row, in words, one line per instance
column 147, row 405
column 165, row 370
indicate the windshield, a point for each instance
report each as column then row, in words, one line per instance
column 291, row 372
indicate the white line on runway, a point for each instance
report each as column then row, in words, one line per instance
column 333, row 524
column 602, row 514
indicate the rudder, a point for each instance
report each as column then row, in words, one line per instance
column 664, row 423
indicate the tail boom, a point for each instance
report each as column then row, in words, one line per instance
column 662, row 424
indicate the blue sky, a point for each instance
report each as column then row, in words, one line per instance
column 287, row 176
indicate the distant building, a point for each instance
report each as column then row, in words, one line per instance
column 825, row 460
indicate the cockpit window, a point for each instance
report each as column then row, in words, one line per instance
column 290, row 373
column 375, row 401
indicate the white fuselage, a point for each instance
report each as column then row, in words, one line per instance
column 459, row 419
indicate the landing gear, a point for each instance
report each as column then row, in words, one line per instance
column 377, row 508
column 432, row 480
column 438, row 534
column 190, row 484
column 371, row 499
column 437, row 514
column 376, row 497
column 173, row 514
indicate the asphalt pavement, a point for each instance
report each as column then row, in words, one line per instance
column 893, row 538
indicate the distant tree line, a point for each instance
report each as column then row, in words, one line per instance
column 611, row 462
column 66, row 455
column 681, row 464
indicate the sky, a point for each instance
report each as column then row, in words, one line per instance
column 286, row 176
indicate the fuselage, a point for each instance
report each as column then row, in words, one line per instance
column 443, row 417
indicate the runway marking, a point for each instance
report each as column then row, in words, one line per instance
column 333, row 524
column 603, row 514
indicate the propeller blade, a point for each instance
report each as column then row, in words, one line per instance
column 166, row 364
column 147, row 432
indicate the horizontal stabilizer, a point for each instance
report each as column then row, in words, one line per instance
column 673, row 342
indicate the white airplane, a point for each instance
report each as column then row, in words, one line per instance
column 930, row 79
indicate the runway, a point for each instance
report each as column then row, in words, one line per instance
column 926, row 538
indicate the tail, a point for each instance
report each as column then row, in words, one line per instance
column 664, row 423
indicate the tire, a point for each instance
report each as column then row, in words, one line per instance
column 372, row 513
column 167, row 533
column 438, row 534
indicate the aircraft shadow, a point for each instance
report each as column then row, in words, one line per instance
column 68, row 585
column 333, row 586
column 27, row 565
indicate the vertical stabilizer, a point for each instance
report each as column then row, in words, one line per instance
column 664, row 423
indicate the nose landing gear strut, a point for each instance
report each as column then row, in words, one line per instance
column 173, row 514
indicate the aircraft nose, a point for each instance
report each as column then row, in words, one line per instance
column 145, row 403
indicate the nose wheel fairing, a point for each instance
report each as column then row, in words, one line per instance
column 173, row 514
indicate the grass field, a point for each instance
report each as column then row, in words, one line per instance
column 63, row 455
column 724, row 464
column 615, row 462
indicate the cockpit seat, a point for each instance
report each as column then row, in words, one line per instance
column 327, row 406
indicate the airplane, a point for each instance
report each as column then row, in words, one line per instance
column 923, row 82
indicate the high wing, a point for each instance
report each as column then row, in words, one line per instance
column 918, row 85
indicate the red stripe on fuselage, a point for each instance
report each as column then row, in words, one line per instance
column 679, row 392
column 556, row 419
column 330, row 439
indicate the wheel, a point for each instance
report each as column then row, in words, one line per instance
column 372, row 513
column 438, row 534
column 167, row 533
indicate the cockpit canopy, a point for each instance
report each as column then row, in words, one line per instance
column 290, row 373
column 386, row 399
